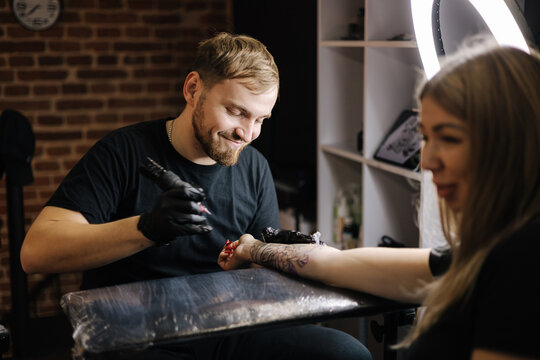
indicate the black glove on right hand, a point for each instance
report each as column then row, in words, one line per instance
column 175, row 213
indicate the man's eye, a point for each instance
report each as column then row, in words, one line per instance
column 234, row 112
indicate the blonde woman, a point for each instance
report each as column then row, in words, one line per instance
column 480, row 120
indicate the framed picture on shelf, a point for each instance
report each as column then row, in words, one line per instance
column 401, row 145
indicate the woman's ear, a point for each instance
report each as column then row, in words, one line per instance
column 192, row 85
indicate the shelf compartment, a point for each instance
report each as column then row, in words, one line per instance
column 334, row 172
column 391, row 81
column 334, row 20
column 340, row 113
column 388, row 18
column 393, row 210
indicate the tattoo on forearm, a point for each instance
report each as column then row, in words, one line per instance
column 282, row 257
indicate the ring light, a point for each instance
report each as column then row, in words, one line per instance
column 495, row 14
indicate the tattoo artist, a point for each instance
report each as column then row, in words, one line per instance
column 117, row 226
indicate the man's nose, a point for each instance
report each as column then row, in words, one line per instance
column 245, row 132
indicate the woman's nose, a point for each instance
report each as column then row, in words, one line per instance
column 429, row 159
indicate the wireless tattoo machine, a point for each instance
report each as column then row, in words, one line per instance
column 167, row 180
column 271, row 235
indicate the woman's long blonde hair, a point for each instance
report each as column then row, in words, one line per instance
column 496, row 91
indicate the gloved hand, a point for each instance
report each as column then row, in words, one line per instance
column 176, row 212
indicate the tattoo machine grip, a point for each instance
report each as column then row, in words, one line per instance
column 166, row 180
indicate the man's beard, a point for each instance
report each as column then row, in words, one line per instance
column 211, row 146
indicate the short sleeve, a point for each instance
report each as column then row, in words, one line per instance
column 439, row 260
column 94, row 185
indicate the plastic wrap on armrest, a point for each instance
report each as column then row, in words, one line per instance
column 4, row 340
column 138, row 315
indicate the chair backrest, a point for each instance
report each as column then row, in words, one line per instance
column 17, row 145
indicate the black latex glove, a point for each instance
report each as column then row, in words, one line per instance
column 176, row 213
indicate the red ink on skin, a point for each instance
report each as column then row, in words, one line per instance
column 227, row 247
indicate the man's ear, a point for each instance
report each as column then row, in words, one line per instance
column 192, row 85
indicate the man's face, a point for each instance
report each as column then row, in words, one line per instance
column 228, row 117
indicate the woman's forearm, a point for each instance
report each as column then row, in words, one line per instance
column 397, row 274
column 291, row 259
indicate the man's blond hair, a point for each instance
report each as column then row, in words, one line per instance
column 227, row 56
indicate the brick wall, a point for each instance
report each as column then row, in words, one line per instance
column 106, row 64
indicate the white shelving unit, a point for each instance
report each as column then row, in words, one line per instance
column 363, row 85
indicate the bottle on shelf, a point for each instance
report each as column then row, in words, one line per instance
column 340, row 212
column 347, row 217
column 355, row 211
column 350, row 233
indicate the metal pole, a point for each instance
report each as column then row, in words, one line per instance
column 19, row 283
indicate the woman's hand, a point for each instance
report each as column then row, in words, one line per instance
column 236, row 254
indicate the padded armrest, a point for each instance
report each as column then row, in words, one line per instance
column 4, row 339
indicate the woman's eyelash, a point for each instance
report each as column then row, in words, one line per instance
column 451, row 139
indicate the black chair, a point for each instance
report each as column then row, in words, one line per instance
column 17, row 145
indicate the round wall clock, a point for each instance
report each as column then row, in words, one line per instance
column 37, row 14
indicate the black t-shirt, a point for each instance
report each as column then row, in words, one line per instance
column 105, row 185
column 439, row 260
column 503, row 312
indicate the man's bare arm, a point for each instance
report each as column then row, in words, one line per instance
column 62, row 240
